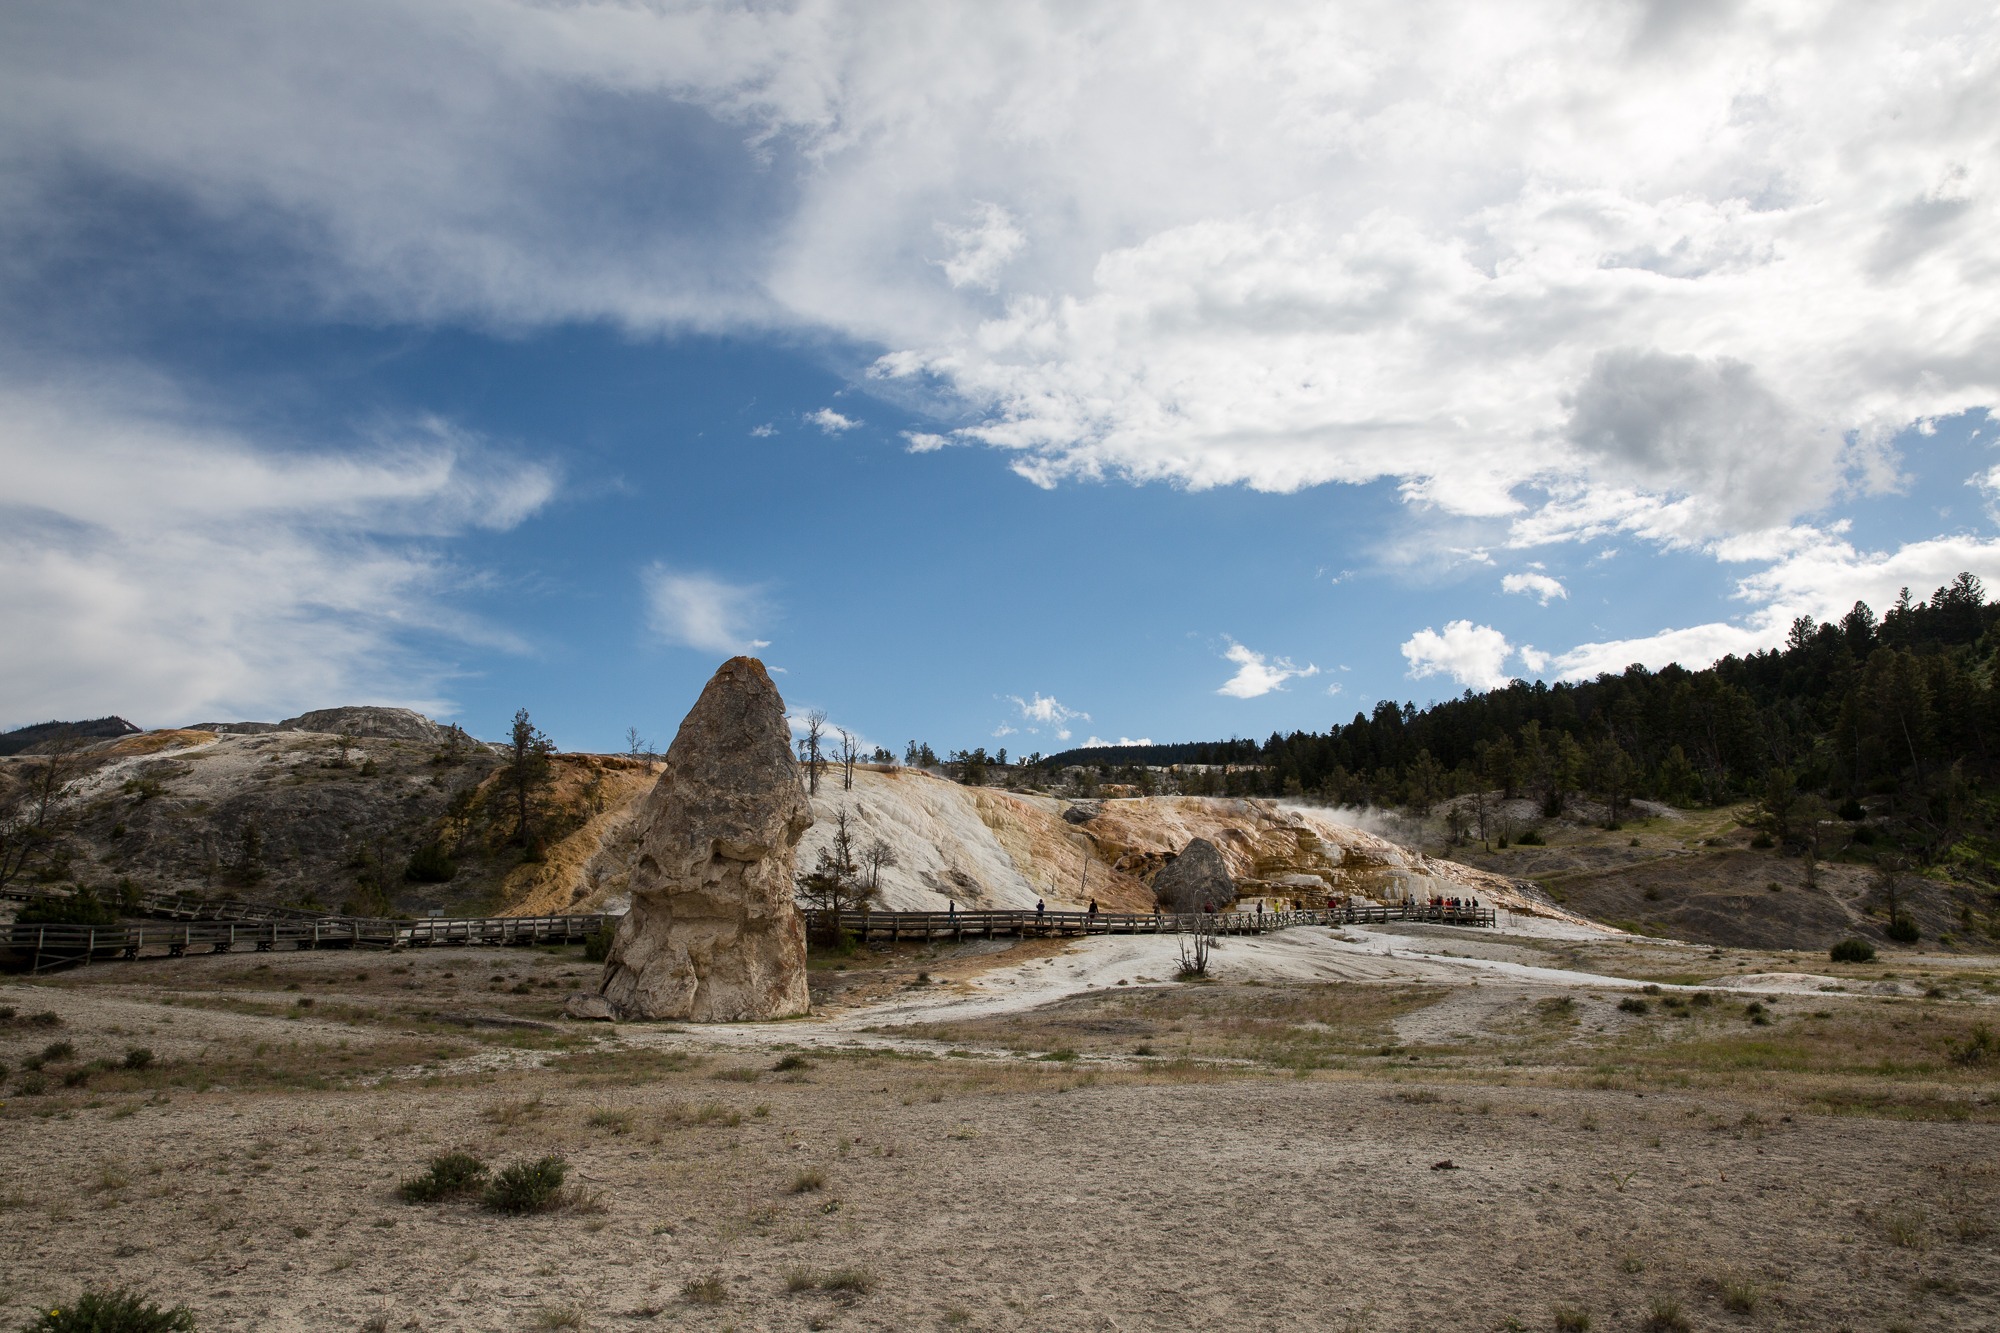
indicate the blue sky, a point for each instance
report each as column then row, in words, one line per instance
column 991, row 375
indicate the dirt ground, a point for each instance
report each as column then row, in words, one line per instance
column 1367, row 1130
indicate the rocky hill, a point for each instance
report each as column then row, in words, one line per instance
column 981, row 847
column 384, row 811
column 370, row 810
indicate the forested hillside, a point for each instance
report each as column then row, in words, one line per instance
column 1894, row 719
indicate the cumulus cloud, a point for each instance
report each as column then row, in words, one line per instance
column 1098, row 742
column 1678, row 287
column 832, row 422
column 924, row 442
column 763, row 432
column 1474, row 655
column 1045, row 711
column 701, row 611
column 1539, row 586
column 982, row 248
column 155, row 563
column 1258, row 675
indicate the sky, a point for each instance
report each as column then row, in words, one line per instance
column 1017, row 376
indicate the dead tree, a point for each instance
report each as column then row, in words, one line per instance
column 849, row 752
column 815, row 730
column 1195, row 941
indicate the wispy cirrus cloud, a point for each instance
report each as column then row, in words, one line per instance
column 169, row 566
column 698, row 610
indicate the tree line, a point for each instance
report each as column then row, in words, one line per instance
column 1896, row 717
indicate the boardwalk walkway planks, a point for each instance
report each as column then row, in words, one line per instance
column 43, row 947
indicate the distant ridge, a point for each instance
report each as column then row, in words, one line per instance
column 97, row 729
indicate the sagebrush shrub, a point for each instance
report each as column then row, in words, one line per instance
column 115, row 1311
column 1853, row 951
column 449, row 1176
column 528, row 1187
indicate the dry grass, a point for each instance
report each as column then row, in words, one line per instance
column 1296, row 1026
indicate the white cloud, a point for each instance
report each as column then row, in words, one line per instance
column 763, row 432
column 1098, row 742
column 1641, row 277
column 1474, row 655
column 982, row 249
column 159, row 565
column 1258, row 675
column 831, row 421
column 695, row 610
column 1539, row 586
column 1043, row 710
column 923, row 442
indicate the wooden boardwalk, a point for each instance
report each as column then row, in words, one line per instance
column 896, row 926
column 40, row 948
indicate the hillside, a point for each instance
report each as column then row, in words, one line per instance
column 381, row 811
column 328, row 812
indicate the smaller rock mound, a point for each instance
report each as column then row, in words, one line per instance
column 1196, row 880
column 394, row 724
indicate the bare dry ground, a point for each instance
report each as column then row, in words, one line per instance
column 1467, row 1131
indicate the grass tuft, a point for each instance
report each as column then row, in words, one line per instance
column 708, row 1289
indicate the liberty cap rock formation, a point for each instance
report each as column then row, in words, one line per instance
column 714, row 934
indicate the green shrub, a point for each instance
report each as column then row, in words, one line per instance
column 528, row 1187
column 790, row 1062
column 1853, row 951
column 597, row 944
column 1632, row 1004
column 1977, row 1049
column 1903, row 929
column 1762, row 842
column 1532, row 838
column 82, row 908
column 1569, row 1319
column 57, row 1051
column 31, row 1085
column 449, row 1176
column 112, row 1312
column 431, row 864
column 138, row 1058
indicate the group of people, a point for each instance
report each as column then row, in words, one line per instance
column 1438, row 904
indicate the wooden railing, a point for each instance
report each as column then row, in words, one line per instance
column 895, row 926
column 47, row 946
